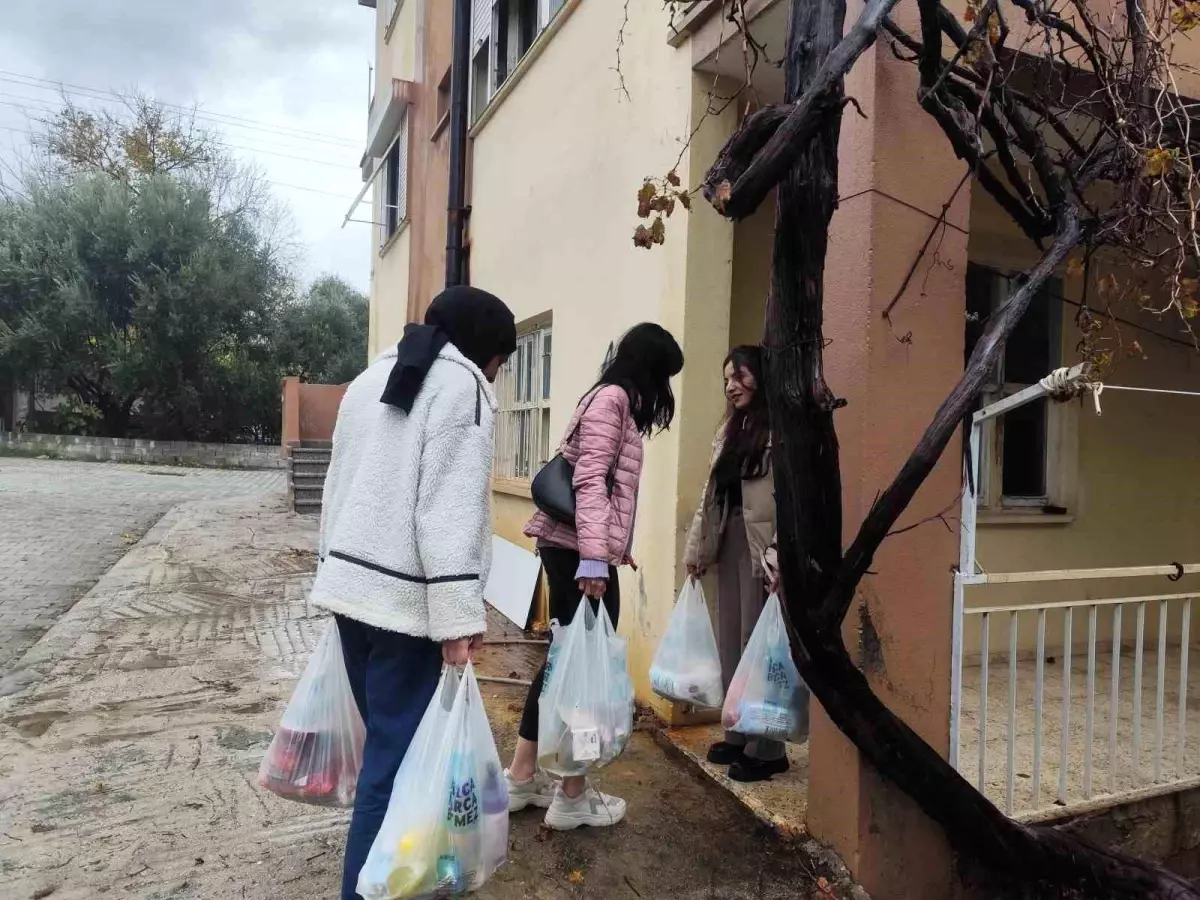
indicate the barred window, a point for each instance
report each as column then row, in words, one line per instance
column 523, row 394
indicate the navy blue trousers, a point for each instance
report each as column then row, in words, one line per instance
column 393, row 676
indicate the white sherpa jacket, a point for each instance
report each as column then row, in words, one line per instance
column 406, row 536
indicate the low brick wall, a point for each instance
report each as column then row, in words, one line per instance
column 135, row 450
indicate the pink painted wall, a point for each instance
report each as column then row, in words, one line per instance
column 309, row 411
column 318, row 410
column 896, row 171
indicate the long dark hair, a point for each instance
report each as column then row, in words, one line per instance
column 745, row 452
column 645, row 360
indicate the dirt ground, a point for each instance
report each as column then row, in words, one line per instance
column 128, row 757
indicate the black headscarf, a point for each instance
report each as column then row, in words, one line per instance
column 474, row 321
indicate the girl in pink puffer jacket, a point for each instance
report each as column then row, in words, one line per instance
column 603, row 442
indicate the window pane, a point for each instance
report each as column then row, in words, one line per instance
column 980, row 290
column 545, row 436
column 526, row 25
column 500, row 32
column 527, row 396
column 520, row 373
column 1024, row 469
column 523, row 446
column 546, row 366
column 479, row 80
column 1030, row 354
column 391, row 213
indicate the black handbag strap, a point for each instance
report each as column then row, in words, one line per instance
column 579, row 420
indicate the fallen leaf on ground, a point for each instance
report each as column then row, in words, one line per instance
column 576, row 876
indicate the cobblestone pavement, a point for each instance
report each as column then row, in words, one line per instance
column 63, row 524
column 128, row 764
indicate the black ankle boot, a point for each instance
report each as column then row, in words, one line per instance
column 724, row 754
column 747, row 769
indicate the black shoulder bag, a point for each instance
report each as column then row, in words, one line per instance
column 553, row 488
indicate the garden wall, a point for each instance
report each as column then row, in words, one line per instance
column 136, row 450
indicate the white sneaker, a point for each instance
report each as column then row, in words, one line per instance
column 589, row 808
column 537, row 791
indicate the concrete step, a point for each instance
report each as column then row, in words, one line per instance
column 308, row 485
column 310, row 470
column 307, row 507
column 308, row 454
column 308, row 492
column 316, row 445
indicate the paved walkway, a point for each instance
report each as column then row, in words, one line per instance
column 129, row 751
column 63, row 524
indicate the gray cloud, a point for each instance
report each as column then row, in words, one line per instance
column 300, row 64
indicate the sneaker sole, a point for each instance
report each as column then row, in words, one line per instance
column 525, row 803
column 568, row 822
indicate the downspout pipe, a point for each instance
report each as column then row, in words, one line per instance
column 460, row 74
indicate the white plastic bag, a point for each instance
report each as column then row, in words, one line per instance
column 767, row 698
column 446, row 828
column 316, row 754
column 687, row 666
column 585, row 715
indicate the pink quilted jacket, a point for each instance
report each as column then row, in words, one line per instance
column 603, row 524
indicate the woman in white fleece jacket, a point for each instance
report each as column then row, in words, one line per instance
column 406, row 531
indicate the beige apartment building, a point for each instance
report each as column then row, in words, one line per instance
column 562, row 138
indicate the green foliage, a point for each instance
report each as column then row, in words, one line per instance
column 142, row 276
column 73, row 417
column 323, row 336
column 147, row 306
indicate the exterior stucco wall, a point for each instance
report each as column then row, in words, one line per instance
column 752, row 242
column 555, row 170
column 397, row 55
column 389, row 293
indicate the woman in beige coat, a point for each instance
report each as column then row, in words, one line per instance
column 734, row 529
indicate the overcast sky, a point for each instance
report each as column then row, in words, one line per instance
column 298, row 69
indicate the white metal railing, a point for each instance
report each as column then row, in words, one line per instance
column 1113, row 668
column 1102, row 657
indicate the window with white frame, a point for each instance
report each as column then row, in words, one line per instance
column 394, row 206
column 1019, row 451
column 502, row 31
column 523, row 395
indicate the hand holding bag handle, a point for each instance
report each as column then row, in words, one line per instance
column 553, row 488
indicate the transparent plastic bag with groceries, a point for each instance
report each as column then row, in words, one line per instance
column 687, row 666
column 767, row 697
column 446, row 828
column 585, row 714
column 316, row 754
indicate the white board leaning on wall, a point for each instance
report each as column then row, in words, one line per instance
column 512, row 580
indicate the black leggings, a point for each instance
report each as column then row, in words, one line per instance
column 561, row 565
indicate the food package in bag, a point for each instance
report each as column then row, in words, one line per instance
column 766, row 697
column 687, row 666
column 585, row 716
column 316, row 754
column 446, row 827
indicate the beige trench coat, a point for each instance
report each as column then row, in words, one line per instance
column 708, row 525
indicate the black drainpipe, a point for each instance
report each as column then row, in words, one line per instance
column 456, row 212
